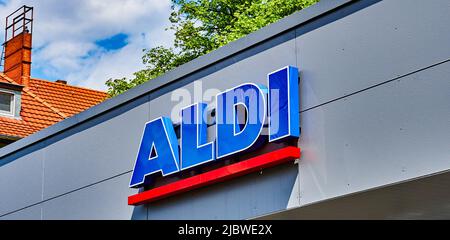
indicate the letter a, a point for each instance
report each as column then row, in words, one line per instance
column 158, row 151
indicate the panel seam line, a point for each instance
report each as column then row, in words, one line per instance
column 66, row 193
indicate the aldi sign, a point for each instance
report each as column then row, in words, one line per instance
column 246, row 117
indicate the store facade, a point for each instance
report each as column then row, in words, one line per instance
column 373, row 91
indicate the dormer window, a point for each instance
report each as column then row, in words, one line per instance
column 7, row 103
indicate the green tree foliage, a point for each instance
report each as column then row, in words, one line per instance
column 201, row 26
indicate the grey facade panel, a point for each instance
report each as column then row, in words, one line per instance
column 375, row 44
column 102, row 201
column 240, row 198
column 21, row 182
column 94, row 154
column 422, row 198
column 29, row 213
column 394, row 132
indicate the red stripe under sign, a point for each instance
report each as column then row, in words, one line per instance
column 218, row 175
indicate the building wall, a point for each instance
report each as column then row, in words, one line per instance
column 374, row 84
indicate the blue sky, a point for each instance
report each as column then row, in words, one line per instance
column 86, row 42
column 114, row 42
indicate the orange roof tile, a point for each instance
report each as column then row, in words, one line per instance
column 45, row 103
column 68, row 99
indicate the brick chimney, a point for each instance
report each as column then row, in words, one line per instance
column 17, row 46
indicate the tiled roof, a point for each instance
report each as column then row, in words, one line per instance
column 45, row 103
column 68, row 99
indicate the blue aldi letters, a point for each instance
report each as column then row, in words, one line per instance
column 235, row 132
column 194, row 147
column 232, row 136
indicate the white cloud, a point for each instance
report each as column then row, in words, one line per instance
column 65, row 32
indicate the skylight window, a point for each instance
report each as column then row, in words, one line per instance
column 6, row 103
